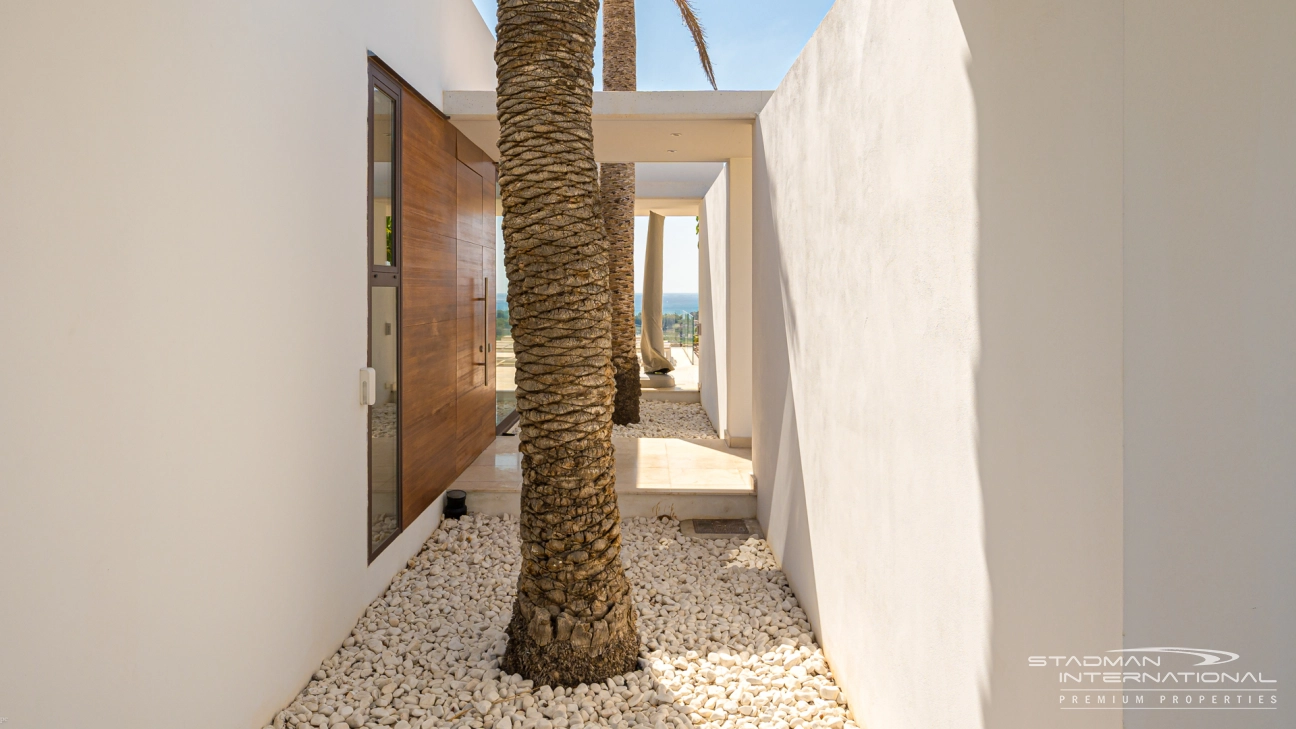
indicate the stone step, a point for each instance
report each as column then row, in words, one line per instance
column 676, row 394
column 686, row 478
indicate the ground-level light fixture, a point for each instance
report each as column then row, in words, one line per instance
column 456, row 504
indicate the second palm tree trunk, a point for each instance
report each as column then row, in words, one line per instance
column 617, row 188
column 618, row 201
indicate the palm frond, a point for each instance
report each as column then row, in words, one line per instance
column 699, row 38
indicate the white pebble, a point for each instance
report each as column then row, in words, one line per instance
column 668, row 420
column 724, row 642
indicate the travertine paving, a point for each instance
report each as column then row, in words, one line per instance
column 686, row 479
column 725, row 644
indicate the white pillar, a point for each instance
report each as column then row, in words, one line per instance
column 652, row 348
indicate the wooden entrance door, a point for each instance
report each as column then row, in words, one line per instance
column 447, row 309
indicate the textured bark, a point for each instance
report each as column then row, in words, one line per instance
column 574, row 619
column 618, row 195
column 618, row 190
column 619, row 46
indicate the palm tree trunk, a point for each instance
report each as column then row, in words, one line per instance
column 618, row 192
column 617, row 185
column 574, row 619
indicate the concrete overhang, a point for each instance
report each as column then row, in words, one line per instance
column 639, row 126
column 668, row 206
column 673, row 188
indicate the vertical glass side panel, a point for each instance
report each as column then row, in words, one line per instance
column 383, row 431
column 505, row 363
column 384, row 250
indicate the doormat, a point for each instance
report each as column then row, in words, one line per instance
column 720, row 528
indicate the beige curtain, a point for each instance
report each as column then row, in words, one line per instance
column 652, row 347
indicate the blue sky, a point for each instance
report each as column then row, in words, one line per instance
column 753, row 44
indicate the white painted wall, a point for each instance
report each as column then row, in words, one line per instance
column 713, row 302
column 1210, row 338
column 182, row 188
column 725, row 301
column 738, row 270
column 937, row 261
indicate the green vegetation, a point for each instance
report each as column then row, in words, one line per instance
column 502, row 327
column 390, row 255
column 677, row 328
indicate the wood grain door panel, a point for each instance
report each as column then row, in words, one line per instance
column 472, row 155
column 472, row 323
column 428, row 276
column 429, row 183
column 469, row 200
column 430, row 469
column 434, row 390
column 476, row 424
column 447, row 188
column 429, row 321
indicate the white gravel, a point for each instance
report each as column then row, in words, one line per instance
column 668, row 420
column 383, row 421
column 384, row 526
column 725, row 644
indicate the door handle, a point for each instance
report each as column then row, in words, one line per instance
column 368, row 386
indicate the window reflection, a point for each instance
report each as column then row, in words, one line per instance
column 384, row 249
column 383, row 417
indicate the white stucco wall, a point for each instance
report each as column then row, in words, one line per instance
column 1210, row 338
column 713, row 302
column 182, row 211
column 725, row 301
column 738, row 324
column 937, row 362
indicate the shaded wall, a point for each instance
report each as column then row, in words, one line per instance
column 713, row 302
column 937, row 320
column 725, row 302
column 1210, row 338
column 738, row 323
column 188, row 181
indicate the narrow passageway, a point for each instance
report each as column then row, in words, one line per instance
column 724, row 643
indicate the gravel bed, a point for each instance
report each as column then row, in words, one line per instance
column 668, row 420
column 725, row 644
column 384, row 526
column 382, row 424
